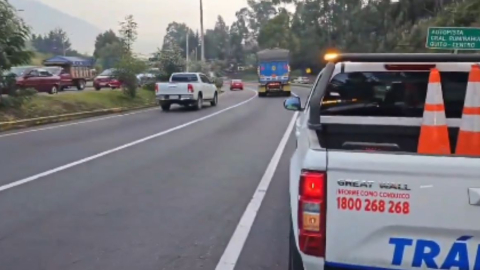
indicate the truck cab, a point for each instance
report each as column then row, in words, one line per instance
column 363, row 192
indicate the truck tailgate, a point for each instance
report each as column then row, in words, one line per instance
column 395, row 211
column 172, row 89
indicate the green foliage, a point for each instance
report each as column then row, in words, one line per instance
column 218, row 82
column 13, row 38
column 103, row 40
column 128, row 66
column 126, row 71
column 170, row 60
column 128, row 33
column 55, row 42
column 110, row 54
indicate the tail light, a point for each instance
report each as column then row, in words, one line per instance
column 409, row 67
column 190, row 88
column 156, row 88
column 312, row 213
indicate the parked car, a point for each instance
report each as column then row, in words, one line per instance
column 40, row 79
column 236, row 84
column 186, row 89
column 106, row 79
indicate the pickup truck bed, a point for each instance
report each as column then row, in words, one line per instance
column 362, row 196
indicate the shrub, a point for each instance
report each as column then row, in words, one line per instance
column 218, row 82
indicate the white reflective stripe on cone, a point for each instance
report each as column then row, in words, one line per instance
column 470, row 123
column 434, row 94
column 472, row 98
column 434, row 118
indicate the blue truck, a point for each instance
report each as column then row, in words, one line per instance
column 273, row 72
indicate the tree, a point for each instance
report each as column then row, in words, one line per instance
column 277, row 33
column 128, row 66
column 13, row 38
column 177, row 33
column 104, row 39
column 55, row 42
column 110, row 54
column 128, row 33
column 170, row 60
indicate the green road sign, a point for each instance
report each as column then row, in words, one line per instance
column 453, row 38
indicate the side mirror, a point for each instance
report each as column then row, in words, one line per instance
column 293, row 104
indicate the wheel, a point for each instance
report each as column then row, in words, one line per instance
column 214, row 102
column 241, row 88
column 165, row 107
column 231, row 89
column 294, row 259
column 97, row 87
column 262, row 94
column 199, row 104
column 53, row 90
column 287, row 94
column 81, row 85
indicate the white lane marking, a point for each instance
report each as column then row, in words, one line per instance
column 74, row 123
column 87, row 159
column 235, row 245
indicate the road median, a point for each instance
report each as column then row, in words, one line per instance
column 66, row 107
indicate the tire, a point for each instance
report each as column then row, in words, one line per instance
column 231, row 89
column 294, row 259
column 53, row 90
column 165, row 107
column 199, row 104
column 214, row 102
column 97, row 87
column 287, row 94
column 81, row 85
column 262, row 94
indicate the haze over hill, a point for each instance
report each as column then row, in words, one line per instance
column 43, row 18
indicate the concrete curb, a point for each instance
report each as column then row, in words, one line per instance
column 4, row 126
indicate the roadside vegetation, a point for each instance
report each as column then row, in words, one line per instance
column 46, row 105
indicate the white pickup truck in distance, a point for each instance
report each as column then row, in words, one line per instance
column 186, row 89
column 386, row 173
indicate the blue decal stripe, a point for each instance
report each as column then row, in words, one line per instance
column 464, row 238
column 357, row 267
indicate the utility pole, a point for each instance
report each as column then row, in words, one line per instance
column 202, row 37
column 187, row 51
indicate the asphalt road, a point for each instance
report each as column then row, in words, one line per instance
column 150, row 190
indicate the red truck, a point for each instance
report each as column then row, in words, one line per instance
column 73, row 71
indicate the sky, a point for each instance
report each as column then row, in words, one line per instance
column 152, row 16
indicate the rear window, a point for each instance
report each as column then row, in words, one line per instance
column 391, row 94
column 184, row 78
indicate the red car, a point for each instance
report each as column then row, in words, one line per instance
column 38, row 78
column 236, row 84
column 106, row 79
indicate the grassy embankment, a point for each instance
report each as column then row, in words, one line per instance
column 48, row 105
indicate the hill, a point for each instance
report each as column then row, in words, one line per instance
column 43, row 18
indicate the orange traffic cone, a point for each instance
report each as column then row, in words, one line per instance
column 434, row 131
column 468, row 142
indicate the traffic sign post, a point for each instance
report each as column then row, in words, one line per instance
column 453, row 38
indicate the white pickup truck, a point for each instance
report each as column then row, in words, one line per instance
column 186, row 89
column 361, row 197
